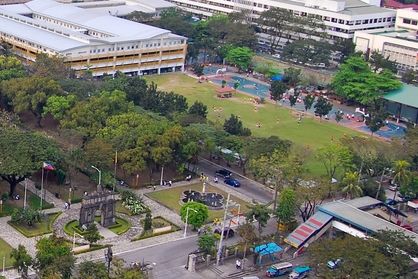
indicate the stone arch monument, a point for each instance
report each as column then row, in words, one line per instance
column 103, row 201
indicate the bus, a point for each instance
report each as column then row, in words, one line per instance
column 279, row 269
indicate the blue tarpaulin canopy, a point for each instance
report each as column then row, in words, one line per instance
column 268, row 249
column 277, row 78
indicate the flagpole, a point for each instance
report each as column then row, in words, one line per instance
column 42, row 184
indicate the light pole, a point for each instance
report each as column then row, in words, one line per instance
column 108, row 258
column 187, row 218
column 74, row 234
column 380, row 182
column 24, row 199
column 218, row 254
column 100, row 176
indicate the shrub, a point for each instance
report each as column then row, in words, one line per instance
column 133, row 203
column 27, row 216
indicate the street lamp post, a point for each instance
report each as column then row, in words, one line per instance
column 108, row 258
column 74, row 234
column 24, row 199
column 100, row 176
column 187, row 218
column 380, row 182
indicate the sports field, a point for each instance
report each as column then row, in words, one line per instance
column 273, row 119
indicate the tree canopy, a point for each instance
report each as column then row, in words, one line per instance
column 241, row 57
column 198, row 214
column 355, row 81
column 23, row 154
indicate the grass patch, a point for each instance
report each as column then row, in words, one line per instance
column 171, row 198
column 5, row 250
column 274, row 120
column 33, row 201
column 157, row 222
column 121, row 226
column 44, row 227
column 120, row 208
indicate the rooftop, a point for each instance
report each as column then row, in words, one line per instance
column 406, row 95
column 363, row 220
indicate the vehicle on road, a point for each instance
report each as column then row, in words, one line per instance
column 299, row 272
column 279, row 269
column 223, row 173
column 333, row 264
column 232, row 182
column 391, row 202
column 228, row 232
column 276, row 56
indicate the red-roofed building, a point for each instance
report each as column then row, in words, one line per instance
column 398, row 5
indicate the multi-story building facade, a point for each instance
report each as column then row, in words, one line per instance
column 400, row 43
column 103, row 44
column 341, row 17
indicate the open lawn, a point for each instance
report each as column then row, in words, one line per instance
column 5, row 250
column 171, row 198
column 44, row 227
column 274, row 120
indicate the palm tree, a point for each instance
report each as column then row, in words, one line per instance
column 401, row 174
column 351, row 185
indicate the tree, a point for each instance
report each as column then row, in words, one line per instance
column 30, row 94
column 311, row 195
column 54, row 253
column 247, row 232
column 409, row 76
column 92, row 234
column 292, row 76
column 50, row 67
column 379, row 62
column 293, row 99
column 22, row 260
column 58, row 106
column 278, row 88
column 92, row 270
column 260, row 213
column 10, row 67
column 198, row 69
column 99, row 153
column 234, row 126
column 401, row 174
column 287, row 206
column 356, row 254
column 198, row 214
column 351, row 185
column 198, row 108
column 148, row 221
column 241, row 57
column 206, row 242
column 308, row 101
column 308, row 51
column 335, row 156
column 339, row 115
column 377, row 116
column 89, row 116
column 355, row 81
column 22, row 154
column 322, row 107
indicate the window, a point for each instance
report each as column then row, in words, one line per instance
column 414, row 22
column 407, row 21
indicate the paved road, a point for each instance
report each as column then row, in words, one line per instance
column 248, row 187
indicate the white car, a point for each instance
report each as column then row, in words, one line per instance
column 393, row 187
column 276, row 56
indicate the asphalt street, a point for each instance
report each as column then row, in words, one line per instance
column 248, row 187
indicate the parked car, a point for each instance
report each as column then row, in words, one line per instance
column 299, row 272
column 333, row 264
column 228, row 232
column 391, row 202
column 232, row 182
column 224, row 173
column 276, row 56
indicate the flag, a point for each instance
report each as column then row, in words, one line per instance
column 48, row 166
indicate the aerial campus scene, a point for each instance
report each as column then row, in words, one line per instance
column 208, row 139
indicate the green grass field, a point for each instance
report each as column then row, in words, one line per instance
column 171, row 198
column 5, row 250
column 274, row 120
column 44, row 227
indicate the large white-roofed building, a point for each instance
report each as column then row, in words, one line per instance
column 102, row 43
